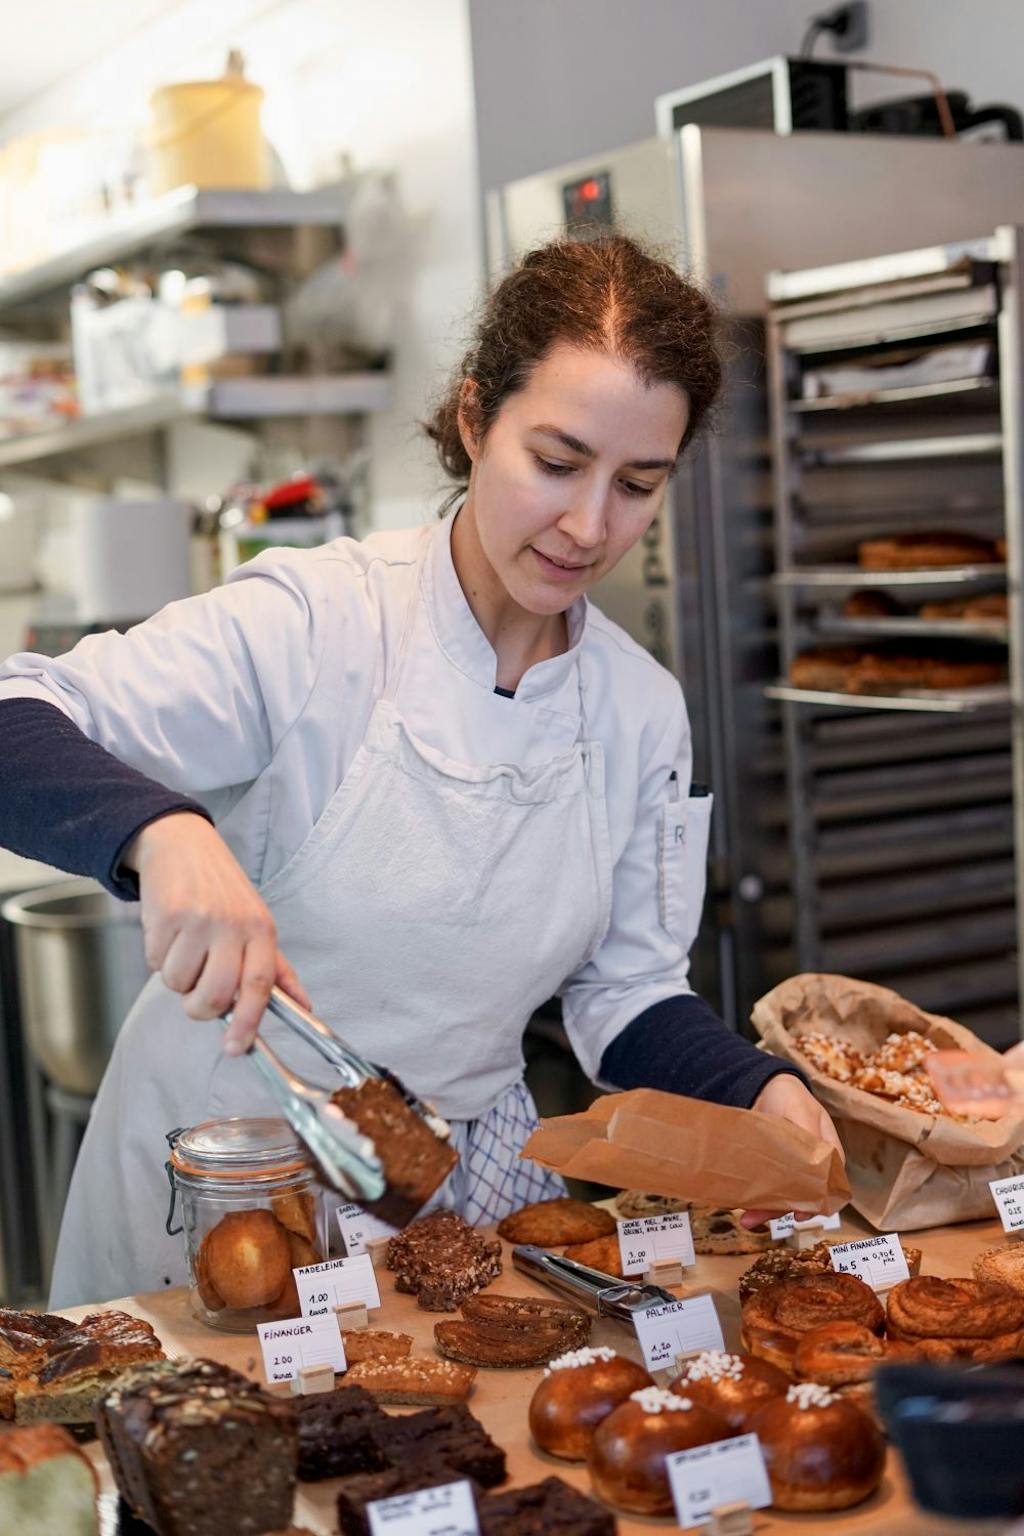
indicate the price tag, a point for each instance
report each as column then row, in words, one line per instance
column 646, row 1239
column 677, row 1328
column 445, row 1511
column 358, row 1228
column 787, row 1224
column 299, row 1343
column 322, row 1287
column 1008, row 1195
column 726, row 1472
column 878, row 1261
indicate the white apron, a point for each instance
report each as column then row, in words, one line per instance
column 432, row 907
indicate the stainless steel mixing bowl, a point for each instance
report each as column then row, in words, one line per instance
column 80, row 967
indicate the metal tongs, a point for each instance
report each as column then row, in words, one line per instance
column 588, row 1287
column 347, row 1158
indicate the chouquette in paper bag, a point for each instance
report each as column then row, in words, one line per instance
column 671, row 1145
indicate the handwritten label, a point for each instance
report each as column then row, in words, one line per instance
column 300, row 1343
column 725, row 1472
column 359, row 1228
column 879, row 1261
column 445, row 1511
column 322, row 1287
column 787, row 1224
column 677, row 1328
column 1008, row 1195
column 646, row 1239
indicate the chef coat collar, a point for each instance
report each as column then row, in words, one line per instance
column 464, row 642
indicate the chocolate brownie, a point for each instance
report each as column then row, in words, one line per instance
column 415, row 1161
column 550, row 1507
column 441, row 1260
column 197, row 1449
column 358, row 1492
column 340, row 1433
column 449, row 1435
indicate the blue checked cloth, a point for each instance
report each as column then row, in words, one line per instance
column 491, row 1179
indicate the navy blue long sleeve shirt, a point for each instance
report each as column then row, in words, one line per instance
column 67, row 801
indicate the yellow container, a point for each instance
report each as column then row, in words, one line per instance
column 206, row 133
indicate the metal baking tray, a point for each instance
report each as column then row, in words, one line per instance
column 896, row 625
column 849, row 576
column 941, row 701
column 893, row 396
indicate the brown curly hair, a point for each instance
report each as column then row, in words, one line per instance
column 608, row 294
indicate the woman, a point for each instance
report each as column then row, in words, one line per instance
column 421, row 773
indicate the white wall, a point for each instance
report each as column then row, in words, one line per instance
column 558, row 80
column 388, row 83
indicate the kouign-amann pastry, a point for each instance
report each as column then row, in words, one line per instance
column 629, row 1447
column 821, row 1451
column 578, row 1390
column 197, row 1449
column 418, row 1382
column 730, row 1385
column 47, row 1486
column 441, row 1260
column 553, row 1223
column 966, row 1319
column 415, row 1161
column 774, row 1319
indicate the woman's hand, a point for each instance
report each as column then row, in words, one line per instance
column 785, row 1097
column 206, row 930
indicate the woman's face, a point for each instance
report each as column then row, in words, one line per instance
column 571, row 474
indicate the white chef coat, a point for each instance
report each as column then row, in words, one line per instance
column 254, row 698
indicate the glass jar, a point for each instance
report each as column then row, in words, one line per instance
column 251, row 1212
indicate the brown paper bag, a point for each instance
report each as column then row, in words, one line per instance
column 907, row 1170
column 669, row 1145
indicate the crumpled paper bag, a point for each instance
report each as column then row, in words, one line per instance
column 666, row 1144
column 907, row 1170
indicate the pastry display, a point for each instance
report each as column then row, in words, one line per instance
column 1001, row 1266
column 415, row 1161
column 925, row 551
column 375, row 1344
column 63, row 1381
column 775, row 1318
column 821, row 1451
column 580, row 1389
column 956, row 1319
column 628, row 1449
column 198, row 1449
column 415, row 1382
column 47, row 1485
column 553, row 1223
column 440, row 1260
column 730, row 1385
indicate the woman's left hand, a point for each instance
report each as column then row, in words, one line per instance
column 785, row 1097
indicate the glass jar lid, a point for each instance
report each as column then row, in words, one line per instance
column 242, row 1148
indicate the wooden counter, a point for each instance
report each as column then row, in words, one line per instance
column 500, row 1398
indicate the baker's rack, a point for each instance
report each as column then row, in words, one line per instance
column 907, row 809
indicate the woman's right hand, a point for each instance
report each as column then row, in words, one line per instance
column 206, row 929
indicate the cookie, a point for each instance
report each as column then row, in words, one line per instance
column 632, row 1205
column 601, row 1253
column 553, row 1223
column 716, row 1230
